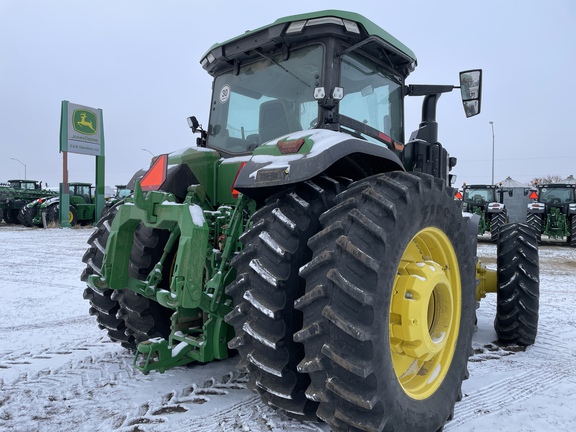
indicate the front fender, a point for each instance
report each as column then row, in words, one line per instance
column 321, row 149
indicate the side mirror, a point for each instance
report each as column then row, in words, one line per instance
column 193, row 124
column 471, row 91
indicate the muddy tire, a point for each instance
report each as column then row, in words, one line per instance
column 266, row 287
column 518, row 285
column 535, row 221
column 102, row 305
column 390, row 302
column 497, row 221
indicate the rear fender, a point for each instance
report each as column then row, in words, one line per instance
column 308, row 154
column 536, row 207
column 495, row 207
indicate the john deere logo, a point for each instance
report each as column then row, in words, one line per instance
column 85, row 122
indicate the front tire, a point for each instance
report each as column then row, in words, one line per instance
column 518, row 285
column 389, row 308
column 497, row 221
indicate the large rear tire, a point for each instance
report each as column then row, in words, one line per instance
column 518, row 285
column 535, row 221
column 145, row 318
column 266, row 287
column 389, row 308
column 497, row 221
column 102, row 304
column 27, row 215
column 572, row 228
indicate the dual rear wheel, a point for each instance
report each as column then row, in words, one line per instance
column 383, row 309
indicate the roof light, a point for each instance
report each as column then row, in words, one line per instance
column 296, row 27
column 351, row 26
column 319, row 93
column 324, row 20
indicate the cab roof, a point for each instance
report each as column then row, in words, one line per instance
column 276, row 31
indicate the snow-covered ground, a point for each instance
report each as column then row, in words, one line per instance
column 59, row 372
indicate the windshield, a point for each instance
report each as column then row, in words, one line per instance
column 479, row 196
column 371, row 96
column 268, row 98
column 557, row 195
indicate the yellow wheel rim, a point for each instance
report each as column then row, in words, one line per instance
column 425, row 313
column 70, row 216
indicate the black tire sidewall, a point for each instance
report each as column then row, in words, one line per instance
column 429, row 204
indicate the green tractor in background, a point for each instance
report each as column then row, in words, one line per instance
column 307, row 234
column 487, row 201
column 16, row 194
column 45, row 212
column 553, row 212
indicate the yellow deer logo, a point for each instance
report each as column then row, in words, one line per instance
column 85, row 123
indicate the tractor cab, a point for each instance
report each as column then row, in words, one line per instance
column 81, row 203
column 479, row 196
column 553, row 211
column 81, row 193
column 24, row 184
column 302, row 73
column 278, row 86
column 557, row 195
column 487, row 201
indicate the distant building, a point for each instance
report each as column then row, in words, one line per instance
column 517, row 204
column 570, row 179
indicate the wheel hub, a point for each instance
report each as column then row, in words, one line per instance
column 425, row 313
column 423, row 302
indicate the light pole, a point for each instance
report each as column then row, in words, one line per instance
column 492, row 124
column 22, row 164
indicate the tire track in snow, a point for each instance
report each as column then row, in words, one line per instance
column 502, row 394
column 542, row 375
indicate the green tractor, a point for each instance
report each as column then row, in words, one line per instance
column 45, row 211
column 487, row 201
column 16, row 194
column 305, row 234
column 553, row 212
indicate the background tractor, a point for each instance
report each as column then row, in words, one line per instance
column 487, row 201
column 553, row 212
column 16, row 194
column 44, row 211
column 307, row 234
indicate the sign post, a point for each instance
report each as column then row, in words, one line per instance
column 81, row 131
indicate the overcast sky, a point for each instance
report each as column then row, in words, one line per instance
column 138, row 60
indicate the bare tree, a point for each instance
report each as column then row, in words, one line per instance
column 548, row 179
